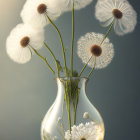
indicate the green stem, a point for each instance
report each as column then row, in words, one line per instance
column 68, row 104
column 92, row 68
column 75, row 108
column 63, row 50
column 44, row 59
column 58, row 74
column 73, row 30
column 85, row 66
column 69, row 114
column 107, row 32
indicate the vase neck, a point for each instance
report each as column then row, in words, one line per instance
column 71, row 86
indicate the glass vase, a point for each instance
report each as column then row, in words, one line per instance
column 72, row 116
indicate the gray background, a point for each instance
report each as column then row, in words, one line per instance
column 27, row 91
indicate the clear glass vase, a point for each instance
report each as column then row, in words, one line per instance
column 72, row 116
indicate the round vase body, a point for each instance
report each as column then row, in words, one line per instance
column 72, row 116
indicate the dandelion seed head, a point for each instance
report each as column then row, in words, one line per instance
column 89, row 46
column 42, row 8
column 34, row 12
column 117, row 13
column 96, row 50
column 20, row 37
column 25, row 41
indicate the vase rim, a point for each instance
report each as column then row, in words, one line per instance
column 73, row 78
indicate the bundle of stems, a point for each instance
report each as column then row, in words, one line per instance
column 71, row 72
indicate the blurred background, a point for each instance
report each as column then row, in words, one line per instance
column 27, row 91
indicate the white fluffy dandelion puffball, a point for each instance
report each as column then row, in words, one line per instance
column 123, row 14
column 89, row 48
column 18, row 42
column 62, row 5
column 78, row 4
column 34, row 12
column 89, row 131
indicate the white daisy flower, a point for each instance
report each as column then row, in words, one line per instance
column 89, row 47
column 34, row 12
column 123, row 14
column 89, row 131
column 18, row 42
